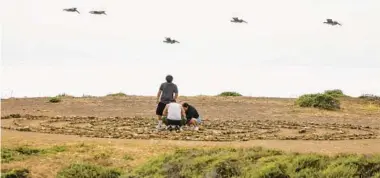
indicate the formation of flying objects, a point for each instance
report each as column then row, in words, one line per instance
column 173, row 41
column 74, row 9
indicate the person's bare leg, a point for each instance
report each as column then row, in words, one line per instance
column 159, row 119
column 193, row 123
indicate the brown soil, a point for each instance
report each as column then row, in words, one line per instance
column 225, row 119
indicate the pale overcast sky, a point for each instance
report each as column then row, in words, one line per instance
column 285, row 50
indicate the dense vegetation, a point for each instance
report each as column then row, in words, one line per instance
column 22, row 152
column 229, row 93
column 257, row 163
column 16, row 173
column 328, row 100
column 117, row 94
column 55, row 99
column 87, row 171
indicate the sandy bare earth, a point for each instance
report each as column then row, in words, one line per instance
column 237, row 121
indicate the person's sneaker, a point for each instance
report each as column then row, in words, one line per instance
column 196, row 128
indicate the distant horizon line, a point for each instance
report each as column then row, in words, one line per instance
column 136, row 95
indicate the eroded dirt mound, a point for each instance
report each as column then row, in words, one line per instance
column 210, row 130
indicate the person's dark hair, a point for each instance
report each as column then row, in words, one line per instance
column 185, row 105
column 169, row 78
column 173, row 100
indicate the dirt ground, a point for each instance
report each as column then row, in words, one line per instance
column 225, row 119
column 125, row 125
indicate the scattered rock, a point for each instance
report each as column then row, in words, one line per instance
column 141, row 128
column 24, row 129
column 302, row 130
column 140, row 131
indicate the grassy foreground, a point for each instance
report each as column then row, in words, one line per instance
column 257, row 163
column 209, row 162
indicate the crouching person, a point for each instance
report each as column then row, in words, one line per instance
column 174, row 115
column 192, row 116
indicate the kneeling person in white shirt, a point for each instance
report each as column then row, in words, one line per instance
column 174, row 115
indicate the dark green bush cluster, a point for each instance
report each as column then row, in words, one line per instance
column 371, row 98
column 117, row 94
column 322, row 101
column 59, row 98
column 335, row 93
column 21, row 152
column 56, row 99
column 229, row 93
column 256, row 163
column 87, row 171
column 64, row 95
column 18, row 153
column 16, row 173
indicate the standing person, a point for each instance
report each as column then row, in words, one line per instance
column 192, row 115
column 174, row 115
column 167, row 92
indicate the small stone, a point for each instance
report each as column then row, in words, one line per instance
column 26, row 128
column 302, row 131
column 140, row 131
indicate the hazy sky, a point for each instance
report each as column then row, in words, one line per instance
column 284, row 50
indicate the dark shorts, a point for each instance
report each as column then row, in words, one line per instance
column 198, row 120
column 187, row 121
column 174, row 122
column 160, row 108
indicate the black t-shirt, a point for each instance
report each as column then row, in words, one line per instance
column 191, row 112
column 168, row 90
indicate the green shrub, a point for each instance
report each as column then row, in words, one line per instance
column 256, row 163
column 117, row 94
column 271, row 170
column 16, row 173
column 56, row 149
column 230, row 93
column 55, row 100
column 322, row 101
column 27, row 151
column 87, row 96
column 340, row 171
column 127, row 157
column 371, row 98
column 377, row 175
column 87, row 171
column 64, row 95
column 18, row 153
column 22, row 152
column 335, row 93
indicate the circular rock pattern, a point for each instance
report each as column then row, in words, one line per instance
column 211, row 130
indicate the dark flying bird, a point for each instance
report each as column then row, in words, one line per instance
column 72, row 10
column 169, row 40
column 331, row 22
column 237, row 20
column 98, row 12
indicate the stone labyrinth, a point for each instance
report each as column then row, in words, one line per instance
column 210, row 130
